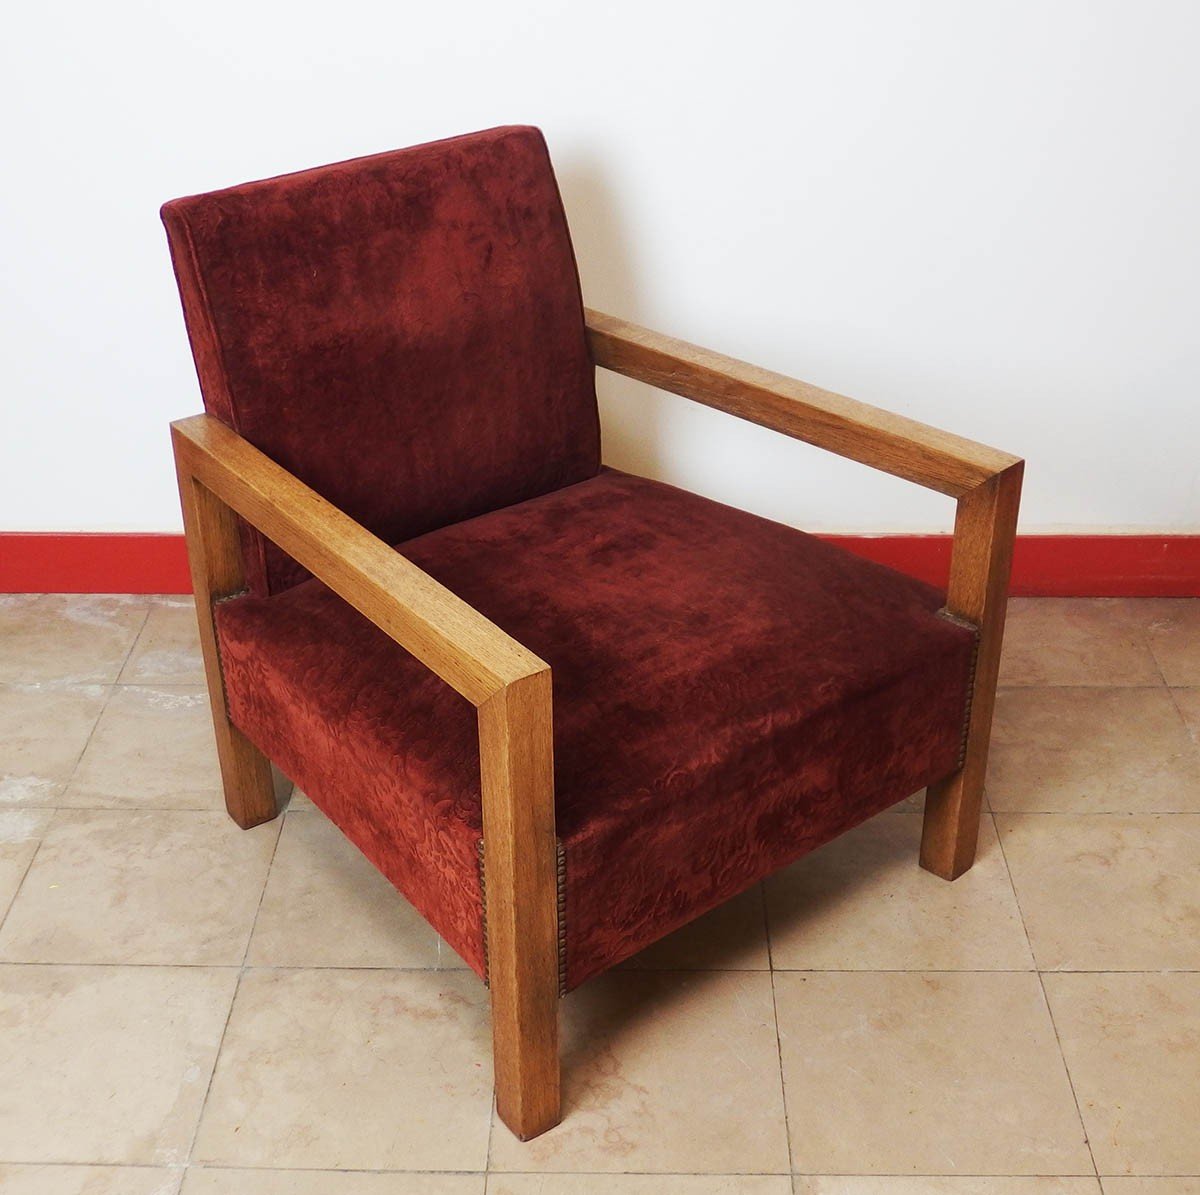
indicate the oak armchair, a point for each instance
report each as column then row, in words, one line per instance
column 393, row 351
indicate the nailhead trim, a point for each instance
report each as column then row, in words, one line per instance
column 483, row 911
column 958, row 620
column 562, row 917
column 561, row 903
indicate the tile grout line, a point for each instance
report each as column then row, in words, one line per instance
column 696, row 971
column 110, row 689
column 1187, row 730
column 237, row 987
column 108, row 696
column 25, row 872
column 1119, row 688
column 787, row 1127
column 1087, row 1140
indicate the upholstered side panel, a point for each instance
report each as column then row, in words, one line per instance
column 629, row 884
column 351, row 741
column 403, row 332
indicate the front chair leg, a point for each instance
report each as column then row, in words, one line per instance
column 521, row 882
column 984, row 530
column 215, row 560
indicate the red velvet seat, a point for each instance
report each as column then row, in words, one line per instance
column 728, row 694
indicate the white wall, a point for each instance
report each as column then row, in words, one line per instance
column 983, row 215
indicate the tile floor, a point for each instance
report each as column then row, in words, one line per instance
column 186, row 1009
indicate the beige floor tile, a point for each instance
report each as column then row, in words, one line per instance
column 1092, row 751
column 167, row 651
column 140, row 886
column 44, row 727
column 326, row 1182
column 1151, row 1186
column 638, row 1184
column 943, row 1185
column 1107, row 892
column 863, row 903
column 371, row 1070
column 106, row 1064
column 664, row 1072
column 20, row 832
column 1132, row 1045
column 299, row 802
column 78, row 638
column 89, row 1180
column 1077, row 641
column 1175, row 639
column 152, row 748
column 1188, row 703
column 733, row 937
column 914, row 804
column 935, row 1073
column 326, row 906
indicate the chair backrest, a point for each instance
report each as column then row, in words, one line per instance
column 404, row 332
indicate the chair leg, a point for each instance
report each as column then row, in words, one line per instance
column 214, row 557
column 984, row 530
column 521, row 887
column 951, row 830
column 525, row 1053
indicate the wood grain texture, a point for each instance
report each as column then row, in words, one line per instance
column 919, row 453
column 215, row 559
column 520, row 871
column 984, row 530
column 471, row 654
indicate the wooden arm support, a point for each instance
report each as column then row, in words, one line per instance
column 472, row 655
column 220, row 474
column 985, row 481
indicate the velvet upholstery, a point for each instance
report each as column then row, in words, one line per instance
column 403, row 332
column 729, row 693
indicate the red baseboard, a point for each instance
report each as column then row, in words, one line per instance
column 84, row 562
column 1057, row 565
column 1044, row 565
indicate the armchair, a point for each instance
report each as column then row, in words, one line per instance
column 395, row 511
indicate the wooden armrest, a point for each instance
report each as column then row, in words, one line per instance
column 219, row 474
column 932, row 458
column 465, row 649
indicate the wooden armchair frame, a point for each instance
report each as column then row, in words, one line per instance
column 221, row 475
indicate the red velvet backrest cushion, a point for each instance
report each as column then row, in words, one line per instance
column 404, row 332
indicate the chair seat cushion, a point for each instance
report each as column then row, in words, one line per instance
column 729, row 693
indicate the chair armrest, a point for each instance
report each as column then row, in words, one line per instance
column 919, row 453
column 470, row 653
column 985, row 482
column 221, row 474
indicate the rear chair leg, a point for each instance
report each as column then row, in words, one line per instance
column 521, row 877
column 215, row 559
column 984, row 530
